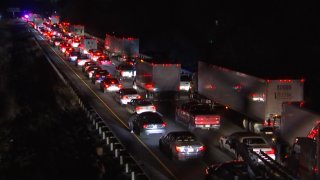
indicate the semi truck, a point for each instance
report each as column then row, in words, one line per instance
column 156, row 78
column 260, row 100
column 54, row 19
column 77, row 30
column 123, row 47
column 297, row 121
column 87, row 44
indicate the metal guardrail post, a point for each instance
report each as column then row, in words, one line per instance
column 126, row 168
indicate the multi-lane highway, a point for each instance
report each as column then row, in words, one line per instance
column 145, row 150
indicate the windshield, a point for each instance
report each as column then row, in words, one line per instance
column 185, row 78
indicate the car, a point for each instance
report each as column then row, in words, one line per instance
column 94, row 54
column 181, row 145
column 125, row 95
column 110, row 85
column 228, row 170
column 56, row 41
column 254, row 141
column 91, row 70
column 75, row 42
column 68, row 51
column 99, row 75
column 140, row 105
column 131, row 61
column 73, row 56
column 104, row 61
column 82, row 59
column 147, row 123
column 63, row 46
column 87, row 65
column 125, row 70
column 185, row 83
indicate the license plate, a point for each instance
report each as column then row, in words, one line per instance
column 207, row 126
column 190, row 150
column 268, row 132
column 103, row 76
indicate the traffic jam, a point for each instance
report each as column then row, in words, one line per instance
column 205, row 101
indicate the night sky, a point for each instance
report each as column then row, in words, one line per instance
column 266, row 38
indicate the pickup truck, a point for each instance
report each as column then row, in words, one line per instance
column 197, row 115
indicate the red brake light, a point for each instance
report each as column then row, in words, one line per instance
column 178, row 148
column 153, row 107
column 138, row 97
column 97, row 75
column 201, row 148
column 163, row 125
column 138, row 108
column 124, row 97
column 120, row 85
column 106, row 85
column 145, row 125
column 270, row 152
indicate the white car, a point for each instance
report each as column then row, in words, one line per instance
column 140, row 105
column 185, row 83
column 255, row 141
column 125, row 95
column 82, row 59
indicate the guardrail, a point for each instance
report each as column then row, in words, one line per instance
column 111, row 143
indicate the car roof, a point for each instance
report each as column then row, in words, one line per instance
column 152, row 115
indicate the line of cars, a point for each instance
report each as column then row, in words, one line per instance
column 145, row 119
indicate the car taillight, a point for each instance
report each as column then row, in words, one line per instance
column 163, row 125
column 97, row 75
column 106, row 85
column 138, row 97
column 124, row 97
column 138, row 108
column 270, row 152
column 120, row 85
column 178, row 149
column 201, row 148
column 153, row 107
column 145, row 125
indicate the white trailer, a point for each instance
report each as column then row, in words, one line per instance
column 297, row 121
column 54, row 19
column 87, row 44
column 157, row 78
column 259, row 99
column 122, row 46
column 77, row 30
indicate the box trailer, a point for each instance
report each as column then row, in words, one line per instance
column 259, row 99
column 155, row 78
column 87, row 44
column 122, row 46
